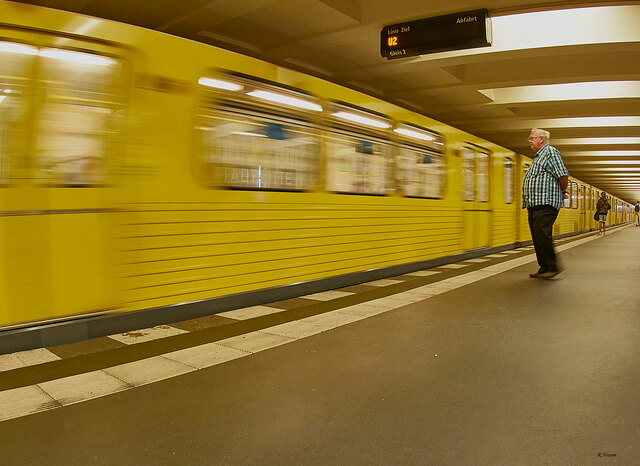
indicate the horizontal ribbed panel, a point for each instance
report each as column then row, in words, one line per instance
column 200, row 251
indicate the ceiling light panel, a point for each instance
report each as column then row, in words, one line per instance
column 600, row 153
column 596, row 141
column 577, row 26
column 564, row 92
column 550, row 123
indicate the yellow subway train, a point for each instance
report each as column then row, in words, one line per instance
column 146, row 178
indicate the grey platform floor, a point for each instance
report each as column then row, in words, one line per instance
column 507, row 371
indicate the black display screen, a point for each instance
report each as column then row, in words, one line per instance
column 449, row 32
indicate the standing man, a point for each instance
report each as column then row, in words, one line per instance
column 543, row 188
column 637, row 208
column 602, row 208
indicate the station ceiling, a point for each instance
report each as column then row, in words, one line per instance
column 570, row 67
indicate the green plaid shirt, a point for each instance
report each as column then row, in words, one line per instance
column 540, row 184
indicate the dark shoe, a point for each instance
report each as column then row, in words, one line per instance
column 535, row 275
column 548, row 275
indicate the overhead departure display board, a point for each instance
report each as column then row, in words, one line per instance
column 468, row 29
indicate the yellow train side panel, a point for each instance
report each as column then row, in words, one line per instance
column 4, row 281
column 83, row 276
column 27, row 267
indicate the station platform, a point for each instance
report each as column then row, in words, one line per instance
column 463, row 364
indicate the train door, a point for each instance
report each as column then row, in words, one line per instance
column 582, row 211
column 80, row 114
column 475, row 197
column 588, row 212
column 54, row 228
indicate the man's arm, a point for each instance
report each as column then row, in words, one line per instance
column 564, row 184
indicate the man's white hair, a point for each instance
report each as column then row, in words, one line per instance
column 541, row 132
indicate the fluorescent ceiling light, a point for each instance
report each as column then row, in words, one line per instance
column 563, row 92
column 549, row 123
column 10, row 47
column 414, row 134
column 602, row 153
column 617, row 178
column 596, row 141
column 558, row 28
column 76, row 57
column 604, row 162
column 605, row 169
column 219, row 84
column 286, row 100
column 593, row 121
column 362, row 120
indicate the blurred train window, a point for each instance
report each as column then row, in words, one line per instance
column 80, row 116
column 574, row 195
column 581, row 197
column 566, row 203
column 508, row 181
column 255, row 135
column 482, row 161
column 420, row 163
column 468, row 177
column 16, row 70
column 358, row 152
column 475, row 175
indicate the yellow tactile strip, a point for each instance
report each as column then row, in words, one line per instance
column 57, row 383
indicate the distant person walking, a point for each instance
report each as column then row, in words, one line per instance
column 543, row 188
column 637, row 207
column 602, row 208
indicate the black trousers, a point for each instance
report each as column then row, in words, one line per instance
column 541, row 219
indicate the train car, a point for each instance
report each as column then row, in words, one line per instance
column 148, row 178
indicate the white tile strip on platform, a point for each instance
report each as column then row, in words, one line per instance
column 147, row 334
column 26, row 358
column 332, row 319
column 362, row 310
column 82, row 387
column 148, row 370
column 383, row 282
column 55, row 393
column 328, row 295
column 253, row 342
column 424, row 273
column 206, row 355
column 296, row 329
column 24, row 400
column 249, row 312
